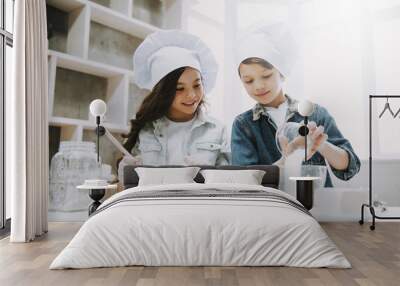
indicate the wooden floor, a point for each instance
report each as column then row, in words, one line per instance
column 374, row 255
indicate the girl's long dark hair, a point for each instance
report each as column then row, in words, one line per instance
column 155, row 105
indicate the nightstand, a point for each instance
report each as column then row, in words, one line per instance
column 96, row 193
column 305, row 190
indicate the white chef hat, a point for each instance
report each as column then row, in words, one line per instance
column 273, row 43
column 165, row 51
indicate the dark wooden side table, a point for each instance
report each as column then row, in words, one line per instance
column 305, row 190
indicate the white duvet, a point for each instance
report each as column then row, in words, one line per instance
column 200, row 231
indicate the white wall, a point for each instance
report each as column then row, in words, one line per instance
column 385, row 180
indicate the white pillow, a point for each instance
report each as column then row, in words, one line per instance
column 248, row 177
column 163, row 176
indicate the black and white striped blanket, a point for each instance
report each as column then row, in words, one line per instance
column 206, row 194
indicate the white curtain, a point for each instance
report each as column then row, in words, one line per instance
column 27, row 122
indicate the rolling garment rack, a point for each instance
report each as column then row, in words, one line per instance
column 369, row 204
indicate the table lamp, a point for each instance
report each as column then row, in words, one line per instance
column 98, row 108
column 305, row 109
column 304, row 185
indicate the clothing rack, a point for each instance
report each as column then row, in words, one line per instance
column 370, row 205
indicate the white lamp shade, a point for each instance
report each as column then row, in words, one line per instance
column 98, row 107
column 305, row 108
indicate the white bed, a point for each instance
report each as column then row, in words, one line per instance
column 185, row 230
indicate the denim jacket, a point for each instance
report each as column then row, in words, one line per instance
column 207, row 144
column 253, row 139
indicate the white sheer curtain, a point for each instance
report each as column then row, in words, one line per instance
column 26, row 117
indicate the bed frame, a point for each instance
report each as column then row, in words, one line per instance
column 270, row 179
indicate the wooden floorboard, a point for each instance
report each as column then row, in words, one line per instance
column 374, row 255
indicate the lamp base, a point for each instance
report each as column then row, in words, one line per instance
column 96, row 195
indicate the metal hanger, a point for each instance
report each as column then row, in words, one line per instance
column 387, row 107
column 397, row 113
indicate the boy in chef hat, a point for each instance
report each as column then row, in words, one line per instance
column 171, row 126
column 265, row 58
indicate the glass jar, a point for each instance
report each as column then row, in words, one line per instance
column 74, row 163
column 315, row 171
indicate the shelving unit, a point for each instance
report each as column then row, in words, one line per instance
column 91, row 45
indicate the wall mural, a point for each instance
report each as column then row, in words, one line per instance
column 156, row 85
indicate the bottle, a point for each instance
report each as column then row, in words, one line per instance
column 71, row 166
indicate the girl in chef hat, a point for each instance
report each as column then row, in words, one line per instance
column 171, row 126
column 265, row 58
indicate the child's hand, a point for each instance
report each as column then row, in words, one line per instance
column 316, row 134
column 131, row 160
column 289, row 147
